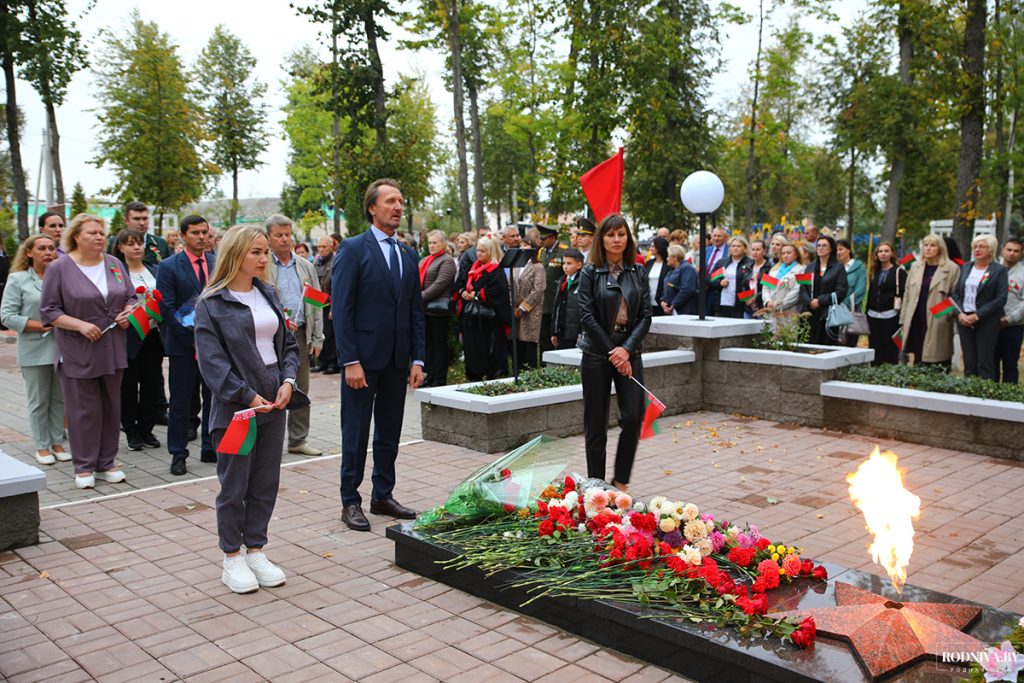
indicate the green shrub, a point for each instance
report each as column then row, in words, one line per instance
column 934, row 379
column 530, row 380
column 785, row 332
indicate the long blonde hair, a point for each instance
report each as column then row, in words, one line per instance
column 21, row 258
column 75, row 227
column 230, row 254
column 938, row 242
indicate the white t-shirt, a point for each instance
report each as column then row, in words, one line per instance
column 653, row 278
column 971, row 289
column 144, row 278
column 97, row 275
column 729, row 293
column 263, row 319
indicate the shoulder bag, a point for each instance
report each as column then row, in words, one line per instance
column 838, row 316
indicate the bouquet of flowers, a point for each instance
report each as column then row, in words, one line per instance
column 585, row 540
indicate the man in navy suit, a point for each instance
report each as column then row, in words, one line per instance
column 378, row 329
column 180, row 278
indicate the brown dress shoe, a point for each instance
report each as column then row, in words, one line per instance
column 392, row 508
column 354, row 518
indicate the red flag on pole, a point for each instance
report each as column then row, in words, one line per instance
column 603, row 186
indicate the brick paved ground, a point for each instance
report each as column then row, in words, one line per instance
column 128, row 588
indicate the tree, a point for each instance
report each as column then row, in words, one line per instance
column 669, row 135
column 10, row 44
column 972, row 124
column 150, row 128
column 235, row 112
column 52, row 53
column 79, row 203
column 413, row 133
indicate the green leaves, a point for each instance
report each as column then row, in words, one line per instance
column 934, row 379
column 530, row 380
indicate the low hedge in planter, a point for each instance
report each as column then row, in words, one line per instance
column 935, row 379
column 530, row 380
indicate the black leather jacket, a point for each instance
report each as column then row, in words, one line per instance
column 599, row 295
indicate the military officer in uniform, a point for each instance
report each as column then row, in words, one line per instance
column 551, row 257
column 584, row 236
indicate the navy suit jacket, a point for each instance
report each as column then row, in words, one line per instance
column 179, row 286
column 377, row 321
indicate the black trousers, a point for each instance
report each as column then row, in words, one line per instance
column 483, row 355
column 730, row 311
column 979, row 347
column 183, row 378
column 142, row 387
column 382, row 399
column 436, row 362
column 329, row 353
column 527, row 354
column 598, row 375
column 880, row 335
column 1008, row 353
column 545, row 333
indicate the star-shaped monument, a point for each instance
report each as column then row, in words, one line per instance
column 889, row 636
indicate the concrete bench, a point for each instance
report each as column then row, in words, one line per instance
column 20, row 485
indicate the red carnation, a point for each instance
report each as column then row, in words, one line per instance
column 546, row 528
column 746, row 605
column 157, row 296
column 741, row 556
column 570, row 484
column 804, row 636
column 806, row 567
column 505, row 473
column 820, row 573
column 763, row 543
column 508, row 508
column 542, row 507
column 140, row 289
column 643, row 521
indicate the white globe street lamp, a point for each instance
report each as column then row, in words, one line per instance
column 702, row 193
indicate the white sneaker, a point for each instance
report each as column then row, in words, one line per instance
column 47, row 459
column 85, row 482
column 62, row 456
column 237, row 576
column 113, row 476
column 267, row 573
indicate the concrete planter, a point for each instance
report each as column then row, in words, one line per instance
column 823, row 358
column 994, row 428
column 493, row 424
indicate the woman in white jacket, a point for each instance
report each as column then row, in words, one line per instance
column 785, row 298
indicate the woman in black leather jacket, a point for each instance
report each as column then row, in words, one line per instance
column 615, row 315
column 829, row 279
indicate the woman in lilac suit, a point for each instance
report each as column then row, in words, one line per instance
column 87, row 296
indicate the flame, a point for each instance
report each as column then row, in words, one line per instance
column 889, row 513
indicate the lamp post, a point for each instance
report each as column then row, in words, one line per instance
column 702, row 193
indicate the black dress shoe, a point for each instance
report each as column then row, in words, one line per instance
column 134, row 443
column 354, row 518
column 161, row 419
column 315, row 368
column 331, row 371
column 193, row 433
column 150, row 441
column 208, row 456
column 178, row 466
column 392, row 508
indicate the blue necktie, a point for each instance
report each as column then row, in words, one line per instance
column 396, row 272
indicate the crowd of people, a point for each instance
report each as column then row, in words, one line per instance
column 244, row 316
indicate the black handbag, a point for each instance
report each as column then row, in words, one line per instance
column 439, row 306
column 477, row 309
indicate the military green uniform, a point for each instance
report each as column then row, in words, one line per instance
column 552, row 261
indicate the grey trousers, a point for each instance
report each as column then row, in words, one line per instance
column 248, row 483
column 298, row 420
column 45, row 405
column 93, row 408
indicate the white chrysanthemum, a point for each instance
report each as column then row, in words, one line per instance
column 656, row 505
column 639, row 506
column 570, row 500
column 690, row 511
column 582, row 528
column 690, row 554
column 705, row 547
column 694, row 530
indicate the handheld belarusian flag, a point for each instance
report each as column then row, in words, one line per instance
column 747, row 295
column 153, row 305
column 958, row 261
column 653, row 410
column 805, row 279
column 944, row 307
column 897, row 338
column 907, row 259
column 240, row 436
column 717, row 275
column 769, row 281
column 139, row 319
column 314, row 297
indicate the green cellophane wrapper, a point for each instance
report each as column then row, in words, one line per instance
column 512, row 481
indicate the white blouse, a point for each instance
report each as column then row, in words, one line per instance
column 729, row 292
column 97, row 275
column 971, row 289
column 653, row 278
column 264, row 319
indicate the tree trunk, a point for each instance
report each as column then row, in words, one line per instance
column 478, row 157
column 852, row 190
column 1008, row 211
column 336, row 188
column 752, row 153
column 972, row 126
column 898, row 162
column 234, row 195
column 455, row 46
column 54, row 151
column 380, row 112
column 13, row 141
column 1002, row 231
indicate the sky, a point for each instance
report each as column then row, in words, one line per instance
column 272, row 30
